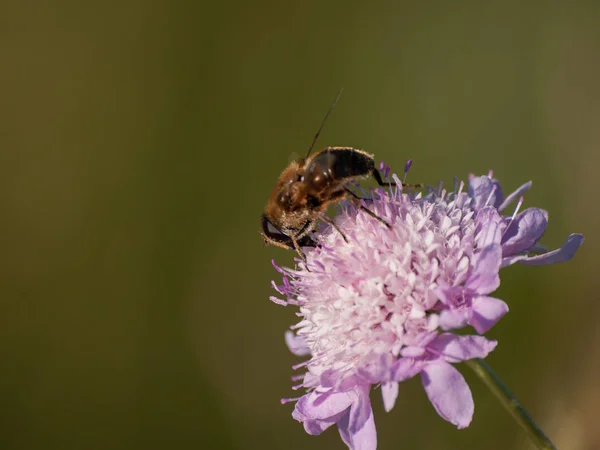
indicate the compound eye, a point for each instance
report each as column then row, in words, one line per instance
column 273, row 232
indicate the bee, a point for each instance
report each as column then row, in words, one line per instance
column 308, row 186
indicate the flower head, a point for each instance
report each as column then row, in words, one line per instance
column 377, row 310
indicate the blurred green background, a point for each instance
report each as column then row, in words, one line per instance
column 139, row 142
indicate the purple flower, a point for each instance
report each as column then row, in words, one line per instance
column 376, row 310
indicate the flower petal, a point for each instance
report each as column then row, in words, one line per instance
column 322, row 405
column 487, row 311
column 453, row 319
column 565, row 253
column 412, row 351
column 486, row 264
column 364, row 438
column 389, row 393
column 485, row 192
column 525, row 230
column 515, row 195
column 316, row 427
column 407, row 368
column 449, row 393
column 489, row 227
column 377, row 368
column 360, row 410
column 296, row 344
column 455, row 348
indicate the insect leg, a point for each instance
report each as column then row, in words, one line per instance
column 356, row 200
column 330, row 221
column 382, row 183
column 297, row 248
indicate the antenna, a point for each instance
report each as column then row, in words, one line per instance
column 323, row 123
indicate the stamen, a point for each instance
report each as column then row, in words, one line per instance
column 511, row 198
column 494, row 187
column 302, row 364
column 407, row 168
column 274, row 285
column 386, row 170
column 289, row 400
column 278, row 268
column 278, row 301
column 512, row 219
column 286, row 284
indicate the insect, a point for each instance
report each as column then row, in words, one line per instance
column 308, row 186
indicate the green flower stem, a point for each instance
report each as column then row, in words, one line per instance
column 510, row 402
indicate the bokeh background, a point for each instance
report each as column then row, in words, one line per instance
column 139, row 141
